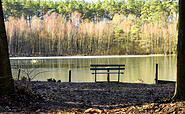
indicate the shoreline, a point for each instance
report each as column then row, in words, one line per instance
column 91, row 56
column 79, row 97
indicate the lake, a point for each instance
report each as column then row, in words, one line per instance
column 136, row 67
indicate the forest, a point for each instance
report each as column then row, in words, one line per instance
column 111, row 27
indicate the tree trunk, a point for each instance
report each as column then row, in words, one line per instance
column 6, row 81
column 180, row 83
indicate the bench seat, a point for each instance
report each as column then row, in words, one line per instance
column 107, row 69
column 108, row 72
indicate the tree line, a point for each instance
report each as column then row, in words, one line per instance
column 80, row 28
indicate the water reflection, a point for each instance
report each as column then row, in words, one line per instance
column 137, row 67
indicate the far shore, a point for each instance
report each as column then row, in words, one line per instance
column 94, row 56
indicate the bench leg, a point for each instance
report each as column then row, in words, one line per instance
column 108, row 76
column 95, row 76
column 118, row 74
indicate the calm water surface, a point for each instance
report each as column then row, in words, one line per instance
column 137, row 67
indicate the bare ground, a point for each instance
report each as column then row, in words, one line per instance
column 94, row 97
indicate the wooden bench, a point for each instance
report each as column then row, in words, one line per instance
column 107, row 69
